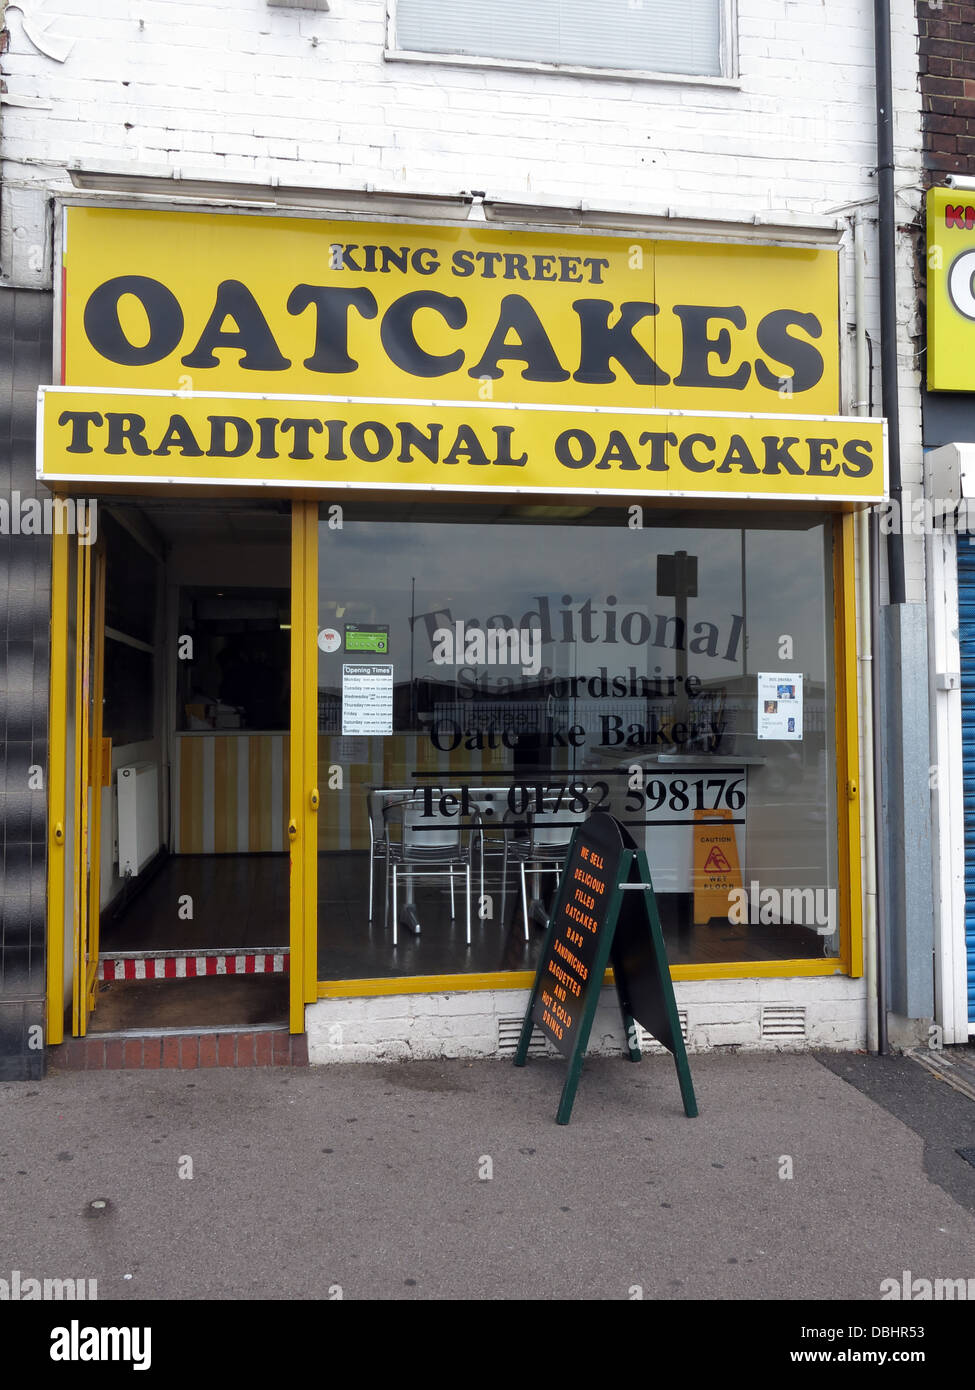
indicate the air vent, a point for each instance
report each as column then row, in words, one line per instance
column 783, row 1021
column 299, row 4
column 509, row 1031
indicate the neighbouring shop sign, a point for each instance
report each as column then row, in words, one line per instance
column 238, row 302
column 89, row 436
column 951, row 290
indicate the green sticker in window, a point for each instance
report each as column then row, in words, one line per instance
column 374, row 638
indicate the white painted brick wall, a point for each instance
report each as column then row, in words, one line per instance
column 720, row 1013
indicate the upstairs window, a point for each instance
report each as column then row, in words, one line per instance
column 650, row 36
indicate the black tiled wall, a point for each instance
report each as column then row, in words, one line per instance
column 25, row 601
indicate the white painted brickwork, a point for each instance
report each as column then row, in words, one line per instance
column 720, row 1013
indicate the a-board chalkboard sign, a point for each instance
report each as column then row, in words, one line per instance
column 605, row 911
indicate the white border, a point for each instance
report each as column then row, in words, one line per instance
column 326, row 485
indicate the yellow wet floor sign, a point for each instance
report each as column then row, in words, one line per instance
column 716, row 869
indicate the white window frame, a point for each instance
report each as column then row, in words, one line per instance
column 728, row 57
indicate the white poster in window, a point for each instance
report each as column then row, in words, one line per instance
column 780, row 704
column 367, row 700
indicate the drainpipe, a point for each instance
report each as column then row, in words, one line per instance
column 866, row 663
column 887, row 238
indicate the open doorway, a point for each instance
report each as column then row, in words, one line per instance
column 187, row 808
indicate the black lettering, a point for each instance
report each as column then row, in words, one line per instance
column 218, row 436
column 103, row 327
column 411, row 438
column 699, row 346
column 268, row 426
column 489, row 260
column 820, row 453
column 533, row 347
column 858, row 458
column 602, row 344
column 467, row 443
column 399, row 339
column 738, row 456
column 332, row 307
column 777, row 456
column 251, row 334
column 122, row 428
column 400, row 259
column 463, row 264
column 80, row 422
column 179, row 436
column 805, row 361
column 658, row 441
column 359, row 444
column 618, row 451
column 515, row 266
column 301, row 430
column 503, row 455
column 579, row 439
column 687, row 456
column 596, row 266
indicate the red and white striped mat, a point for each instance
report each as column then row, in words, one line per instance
column 186, row 965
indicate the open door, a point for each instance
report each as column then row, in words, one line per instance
column 89, row 765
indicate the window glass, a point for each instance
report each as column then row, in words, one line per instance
column 645, row 35
column 487, row 681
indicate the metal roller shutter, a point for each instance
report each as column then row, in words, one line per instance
column 966, row 636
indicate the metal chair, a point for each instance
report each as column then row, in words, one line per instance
column 383, row 808
column 431, row 846
column 544, row 850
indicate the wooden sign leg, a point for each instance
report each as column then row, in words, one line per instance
column 684, row 1078
column 569, row 1089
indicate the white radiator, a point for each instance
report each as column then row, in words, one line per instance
column 138, row 817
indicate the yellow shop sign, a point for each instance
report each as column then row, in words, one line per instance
column 243, row 303
column 951, row 290
column 89, row 436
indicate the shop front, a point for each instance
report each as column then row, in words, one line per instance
column 418, row 544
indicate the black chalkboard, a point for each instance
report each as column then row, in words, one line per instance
column 569, row 970
column 604, row 910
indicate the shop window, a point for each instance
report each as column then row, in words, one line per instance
column 481, row 679
column 651, row 36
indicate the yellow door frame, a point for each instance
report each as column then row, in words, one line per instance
column 303, row 790
column 87, row 790
column 57, row 785
column 79, row 1018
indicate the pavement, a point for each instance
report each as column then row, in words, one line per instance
column 810, row 1177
